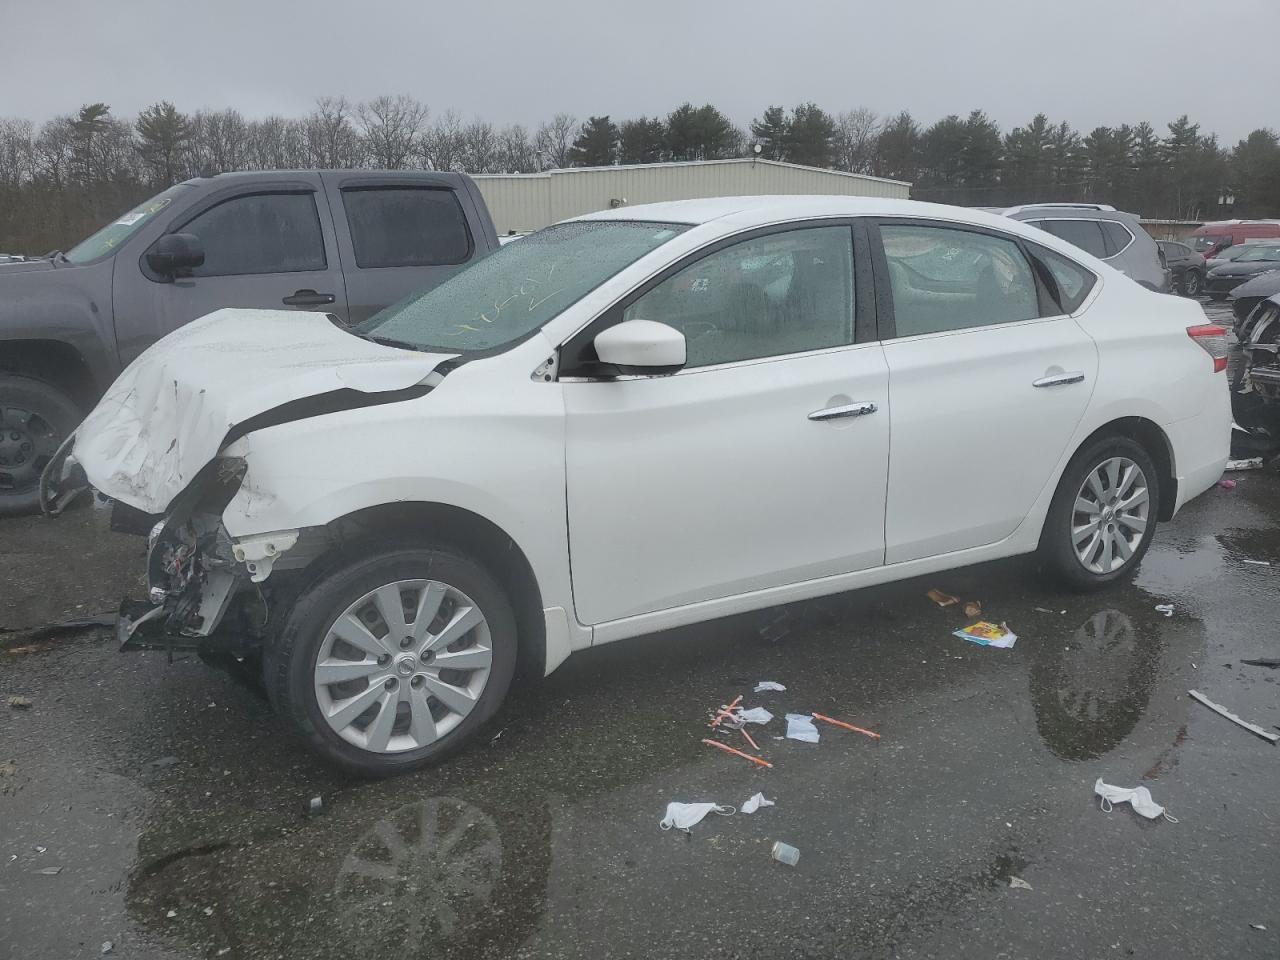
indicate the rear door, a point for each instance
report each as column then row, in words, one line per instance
column 269, row 246
column 987, row 381
column 398, row 237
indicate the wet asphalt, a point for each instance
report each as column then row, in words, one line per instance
column 174, row 801
column 173, row 805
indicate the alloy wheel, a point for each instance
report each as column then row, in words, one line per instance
column 1191, row 284
column 1110, row 515
column 403, row 666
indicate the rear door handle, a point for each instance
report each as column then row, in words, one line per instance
column 307, row 298
column 1058, row 380
column 859, row 409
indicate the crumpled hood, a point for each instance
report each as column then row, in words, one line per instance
column 169, row 412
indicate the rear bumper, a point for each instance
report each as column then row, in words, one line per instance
column 1201, row 446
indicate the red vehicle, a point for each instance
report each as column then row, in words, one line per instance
column 1211, row 238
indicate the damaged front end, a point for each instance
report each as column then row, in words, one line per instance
column 1256, row 380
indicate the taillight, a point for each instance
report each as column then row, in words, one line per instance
column 1213, row 338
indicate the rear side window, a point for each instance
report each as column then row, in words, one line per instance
column 406, row 226
column 946, row 279
column 1085, row 234
column 1068, row 282
column 260, row 233
column 1116, row 235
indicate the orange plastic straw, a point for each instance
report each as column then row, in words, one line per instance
column 754, row 745
column 745, row 756
column 726, row 710
column 847, row 726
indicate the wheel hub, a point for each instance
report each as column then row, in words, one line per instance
column 406, row 665
column 24, row 448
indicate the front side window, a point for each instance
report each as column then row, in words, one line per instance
column 259, row 233
column 769, row 296
column 406, row 227
column 946, row 279
column 1085, row 234
column 520, row 287
column 108, row 239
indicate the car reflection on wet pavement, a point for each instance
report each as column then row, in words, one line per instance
column 544, row 842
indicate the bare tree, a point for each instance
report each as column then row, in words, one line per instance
column 480, row 147
column 277, row 143
column 331, row 138
column 516, row 151
column 857, row 133
column 391, row 128
column 554, row 140
column 442, row 145
column 17, row 151
column 220, row 141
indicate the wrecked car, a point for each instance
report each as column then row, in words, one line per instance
column 631, row 421
column 1256, row 379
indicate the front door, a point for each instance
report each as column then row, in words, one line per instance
column 264, row 248
column 987, row 386
column 762, row 463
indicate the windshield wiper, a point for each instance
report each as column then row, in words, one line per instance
column 389, row 341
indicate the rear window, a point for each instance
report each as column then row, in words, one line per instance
column 1068, row 282
column 1085, row 234
column 406, row 226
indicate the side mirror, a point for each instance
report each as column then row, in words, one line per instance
column 641, row 347
column 175, row 253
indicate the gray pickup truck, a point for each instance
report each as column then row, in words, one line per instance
column 344, row 242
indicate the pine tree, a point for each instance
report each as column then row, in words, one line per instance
column 771, row 131
column 164, row 135
column 596, row 145
column 642, row 141
column 810, row 136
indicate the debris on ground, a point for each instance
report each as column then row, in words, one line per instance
column 764, row 685
column 1019, row 884
column 942, row 599
column 800, row 727
column 745, row 756
column 19, row 703
column 754, row 803
column 785, row 853
column 973, row 609
column 315, row 806
column 107, row 947
column 755, row 715
column 848, row 726
column 988, row 634
column 1251, row 463
column 27, row 638
column 161, row 762
column 1257, row 926
column 1271, row 662
column 1227, row 484
column 1139, row 798
column 1257, row 563
column 49, row 871
column 724, row 714
column 777, row 627
column 1165, row 608
column 171, row 914
column 682, row 816
column 1062, row 613
column 1216, row 708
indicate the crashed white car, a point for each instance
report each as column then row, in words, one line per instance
column 635, row 420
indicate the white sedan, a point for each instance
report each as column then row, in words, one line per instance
column 634, row 420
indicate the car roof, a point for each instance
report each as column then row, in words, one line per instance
column 740, row 212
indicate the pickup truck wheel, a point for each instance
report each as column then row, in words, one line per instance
column 1103, row 514
column 395, row 660
column 34, row 420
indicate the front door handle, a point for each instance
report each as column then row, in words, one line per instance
column 859, row 409
column 307, row 298
column 1059, row 380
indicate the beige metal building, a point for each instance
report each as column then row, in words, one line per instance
column 528, row 201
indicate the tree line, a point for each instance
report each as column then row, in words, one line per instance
column 65, row 177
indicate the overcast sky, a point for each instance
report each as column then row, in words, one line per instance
column 1089, row 62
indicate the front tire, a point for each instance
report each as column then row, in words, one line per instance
column 35, row 418
column 394, row 661
column 1103, row 514
column 1191, row 283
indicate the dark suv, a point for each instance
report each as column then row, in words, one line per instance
column 1107, row 233
column 343, row 242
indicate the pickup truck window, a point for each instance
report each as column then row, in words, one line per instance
column 406, row 226
column 259, row 233
column 116, row 232
column 520, row 287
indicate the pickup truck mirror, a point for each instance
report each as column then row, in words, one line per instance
column 175, row 253
column 641, row 347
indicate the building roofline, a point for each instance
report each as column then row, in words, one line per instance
column 695, row 163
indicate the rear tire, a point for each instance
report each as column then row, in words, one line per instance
column 35, row 417
column 1088, row 548
column 1192, row 283
column 418, row 710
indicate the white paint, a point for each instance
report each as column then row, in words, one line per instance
column 690, row 496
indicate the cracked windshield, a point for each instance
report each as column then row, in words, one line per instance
column 652, row 481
